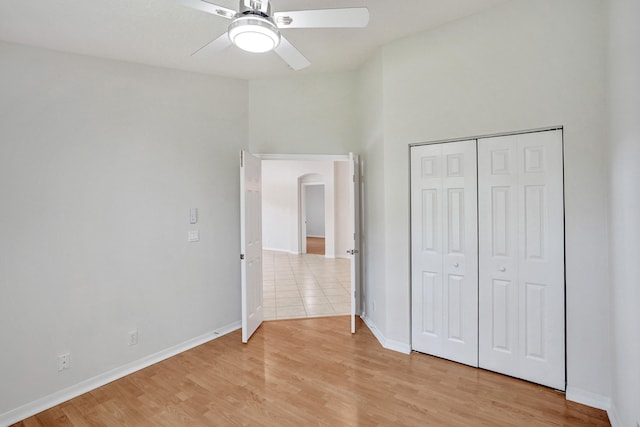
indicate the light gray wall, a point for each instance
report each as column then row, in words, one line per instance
column 625, row 207
column 522, row 65
column 100, row 162
column 371, row 103
column 315, row 210
column 307, row 114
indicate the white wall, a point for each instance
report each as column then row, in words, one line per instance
column 522, row 65
column 371, row 105
column 280, row 202
column 100, row 162
column 314, row 210
column 305, row 114
column 625, row 207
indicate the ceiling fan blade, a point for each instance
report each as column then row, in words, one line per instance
column 214, row 46
column 291, row 55
column 209, row 8
column 355, row 17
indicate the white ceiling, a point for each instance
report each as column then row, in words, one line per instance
column 164, row 33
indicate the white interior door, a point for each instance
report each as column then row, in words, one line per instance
column 521, row 256
column 354, row 202
column 444, row 280
column 251, row 243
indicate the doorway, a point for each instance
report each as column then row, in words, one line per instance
column 306, row 205
column 313, row 218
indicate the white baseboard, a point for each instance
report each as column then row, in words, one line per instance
column 398, row 346
column 385, row 342
column 44, row 403
column 613, row 416
column 588, row 398
column 372, row 327
column 595, row 401
column 286, row 251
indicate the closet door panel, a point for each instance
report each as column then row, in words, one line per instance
column 521, row 271
column 444, row 250
column 426, row 245
column 498, row 275
column 541, row 258
column 460, row 258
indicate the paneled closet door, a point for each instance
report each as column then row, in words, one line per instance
column 444, row 268
column 521, row 257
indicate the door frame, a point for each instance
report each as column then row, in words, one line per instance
column 356, row 300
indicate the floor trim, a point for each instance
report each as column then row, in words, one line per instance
column 398, row 346
column 588, row 398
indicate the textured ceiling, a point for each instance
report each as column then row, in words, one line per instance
column 164, row 33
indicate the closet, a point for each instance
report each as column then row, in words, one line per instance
column 487, row 254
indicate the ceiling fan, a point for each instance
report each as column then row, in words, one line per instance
column 254, row 28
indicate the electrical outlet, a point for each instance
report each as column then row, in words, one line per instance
column 133, row 337
column 64, row 361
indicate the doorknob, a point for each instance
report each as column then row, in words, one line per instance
column 456, row 265
column 502, row 269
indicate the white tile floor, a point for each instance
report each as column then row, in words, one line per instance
column 305, row 285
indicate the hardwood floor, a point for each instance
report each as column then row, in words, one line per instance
column 315, row 245
column 314, row 372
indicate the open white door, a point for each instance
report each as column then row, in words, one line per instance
column 251, row 243
column 354, row 203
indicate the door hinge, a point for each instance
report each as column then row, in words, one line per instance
column 241, row 256
column 241, row 159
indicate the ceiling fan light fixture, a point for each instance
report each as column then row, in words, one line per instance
column 254, row 34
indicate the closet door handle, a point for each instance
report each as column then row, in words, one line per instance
column 456, row 265
column 502, row 269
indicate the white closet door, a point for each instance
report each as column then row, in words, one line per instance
column 521, row 257
column 444, row 251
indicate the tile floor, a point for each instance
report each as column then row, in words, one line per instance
column 305, row 285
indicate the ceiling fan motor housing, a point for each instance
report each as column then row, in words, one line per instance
column 254, row 33
column 255, row 7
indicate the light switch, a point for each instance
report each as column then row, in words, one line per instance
column 194, row 236
column 193, row 215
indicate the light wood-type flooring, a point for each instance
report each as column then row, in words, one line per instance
column 315, row 245
column 307, row 372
